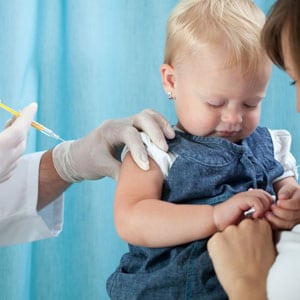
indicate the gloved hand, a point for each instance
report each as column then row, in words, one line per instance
column 93, row 156
column 13, row 141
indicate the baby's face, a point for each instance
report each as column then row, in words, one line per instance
column 213, row 100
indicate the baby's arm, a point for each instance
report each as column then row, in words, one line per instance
column 141, row 218
column 285, row 214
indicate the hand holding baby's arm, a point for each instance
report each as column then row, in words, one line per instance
column 285, row 214
column 232, row 211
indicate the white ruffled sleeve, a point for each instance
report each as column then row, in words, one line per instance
column 282, row 145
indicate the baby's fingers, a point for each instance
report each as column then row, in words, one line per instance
column 281, row 223
column 290, row 204
column 287, row 218
column 259, row 206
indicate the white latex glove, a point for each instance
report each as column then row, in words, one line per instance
column 92, row 157
column 13, row 141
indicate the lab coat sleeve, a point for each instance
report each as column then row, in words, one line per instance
column 19, row 220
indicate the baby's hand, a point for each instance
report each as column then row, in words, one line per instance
column 285, row 214
column 232, row 211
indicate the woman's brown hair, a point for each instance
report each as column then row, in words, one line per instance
column 284, row 15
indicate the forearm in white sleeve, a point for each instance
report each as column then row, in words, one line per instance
column 19, row 220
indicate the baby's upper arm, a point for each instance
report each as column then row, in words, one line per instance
column 135, row 184
column 133, row 187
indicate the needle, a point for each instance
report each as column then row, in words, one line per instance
column 43, row 129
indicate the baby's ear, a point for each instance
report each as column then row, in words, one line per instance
column 168, row 78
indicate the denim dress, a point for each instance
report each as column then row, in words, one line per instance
column 205, row 171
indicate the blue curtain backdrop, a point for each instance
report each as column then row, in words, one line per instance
column 85, row 61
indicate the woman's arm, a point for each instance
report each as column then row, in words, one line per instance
column 51, row 185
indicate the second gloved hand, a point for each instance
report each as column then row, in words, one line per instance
column 13, row 141
column 93, row 156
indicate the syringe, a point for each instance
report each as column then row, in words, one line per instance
column 43, row 129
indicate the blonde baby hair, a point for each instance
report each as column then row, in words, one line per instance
column 194, row 23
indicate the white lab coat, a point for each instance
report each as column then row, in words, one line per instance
column 19, row 220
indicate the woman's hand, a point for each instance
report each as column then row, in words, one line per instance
column 94, row 156
column 13, row 141
column 242, row 256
